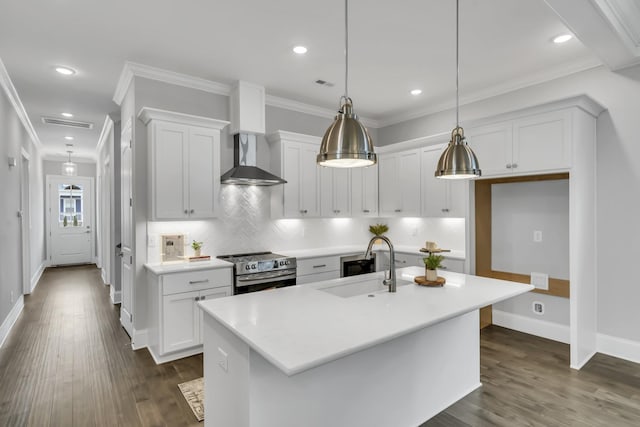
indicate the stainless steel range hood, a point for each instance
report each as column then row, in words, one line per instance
column 245, row 171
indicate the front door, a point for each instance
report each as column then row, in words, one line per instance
column 70, row 220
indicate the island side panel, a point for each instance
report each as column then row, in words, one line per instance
column 400, row 383
column 226, row 391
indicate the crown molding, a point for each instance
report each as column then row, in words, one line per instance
column 132, row 69
column 12, row 94
column 492, row 91
column 146, row 114
column 301, row 107
column 283, row 135
column 104, row 133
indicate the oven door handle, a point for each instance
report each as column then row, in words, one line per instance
column 264, row 277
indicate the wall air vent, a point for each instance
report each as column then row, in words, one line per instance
column 67, row 123
column 324, row 83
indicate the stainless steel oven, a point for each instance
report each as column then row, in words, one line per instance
column 353, row 265
column 259, row 271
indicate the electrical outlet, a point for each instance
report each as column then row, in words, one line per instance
column 540, row 281
column 537, row 236
column 538, row 308
column 152, row 240
column 223, row 360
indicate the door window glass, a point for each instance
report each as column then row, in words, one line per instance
column 70, row 205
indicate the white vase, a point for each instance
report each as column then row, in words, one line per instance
column 196, row 252
column 431, row 275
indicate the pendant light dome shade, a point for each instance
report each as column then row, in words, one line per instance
column 346, row 144
column 458, row 161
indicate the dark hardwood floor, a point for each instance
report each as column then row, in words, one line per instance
column 68, row 362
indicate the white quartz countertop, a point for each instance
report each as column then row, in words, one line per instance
column 300, row 327
column 354, row 249
column 178, row 266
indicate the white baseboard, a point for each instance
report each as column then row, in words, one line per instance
column 35, row 279
column 618, row 347
column 103, row 276
column 8, row 323
column 528, row 325
column 115, row 295
column 139, row 339
column 174, row 356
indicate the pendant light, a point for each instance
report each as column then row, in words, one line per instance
column 346, row 144
column 69, row 168
column 458, row 161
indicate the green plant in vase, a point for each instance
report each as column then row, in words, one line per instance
column 196, row 247
column 64, row 221
column 75, row 220
column 432, row 263
column 378, row 230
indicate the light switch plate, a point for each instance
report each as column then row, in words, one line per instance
column 540, row 281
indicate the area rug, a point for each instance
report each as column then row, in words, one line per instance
column 193, row 392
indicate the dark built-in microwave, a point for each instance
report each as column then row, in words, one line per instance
column 357, row 264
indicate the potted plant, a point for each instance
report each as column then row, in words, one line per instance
column 431, row 263
column 196, row 247
column 378, row 230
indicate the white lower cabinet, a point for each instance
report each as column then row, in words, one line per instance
column 175, row 319
column 316, row 269
column 407, row 260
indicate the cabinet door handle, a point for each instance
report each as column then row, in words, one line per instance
column 192, row 211
column 194, row 282
column 337, row 211
column 197, row 298
column 303, row 211
column 508, row 165
column 186, row 212
column 398, row 210
column 442, row 267
column 202, row 298
column 400, row 261
column 514, row 165
column 320, row 266
column 366, row 210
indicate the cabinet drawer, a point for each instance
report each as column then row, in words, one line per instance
column 196, row 280
column 318, row 265
column 452, row 264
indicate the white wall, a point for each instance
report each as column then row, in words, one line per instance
column 13, row 139
column 618, row 177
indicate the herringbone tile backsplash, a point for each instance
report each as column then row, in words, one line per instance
column 244, row 224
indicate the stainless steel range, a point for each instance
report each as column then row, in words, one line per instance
column 261, row 270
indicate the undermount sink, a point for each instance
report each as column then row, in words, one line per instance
column 360, row 287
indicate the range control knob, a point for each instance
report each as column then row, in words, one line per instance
column 247, row 267
column 253, row 266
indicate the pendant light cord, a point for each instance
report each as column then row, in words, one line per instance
column 457, row 65
column 346, row 49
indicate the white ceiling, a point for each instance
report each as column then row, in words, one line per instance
column 394, row 47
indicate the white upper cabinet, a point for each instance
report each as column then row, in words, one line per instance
column 184, row 164
column 441, row 197
column 364, row 191
column 399, row 183
column 534, row 144
column 335, row 192
column 293, row 157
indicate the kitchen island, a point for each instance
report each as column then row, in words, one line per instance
column 345, row 352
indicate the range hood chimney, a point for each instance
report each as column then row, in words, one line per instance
column 246, row 104
column 244, row 171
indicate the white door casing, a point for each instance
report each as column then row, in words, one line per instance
column 126, row 252
column 70, row 219
column 25, row 222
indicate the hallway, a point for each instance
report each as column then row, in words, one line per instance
column 68, row 362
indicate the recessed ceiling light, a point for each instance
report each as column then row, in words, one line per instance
column 300, row 50
column 66, row 71
column 68, row 138
column 562, row 38
column 416, row 92
column 66, row 114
